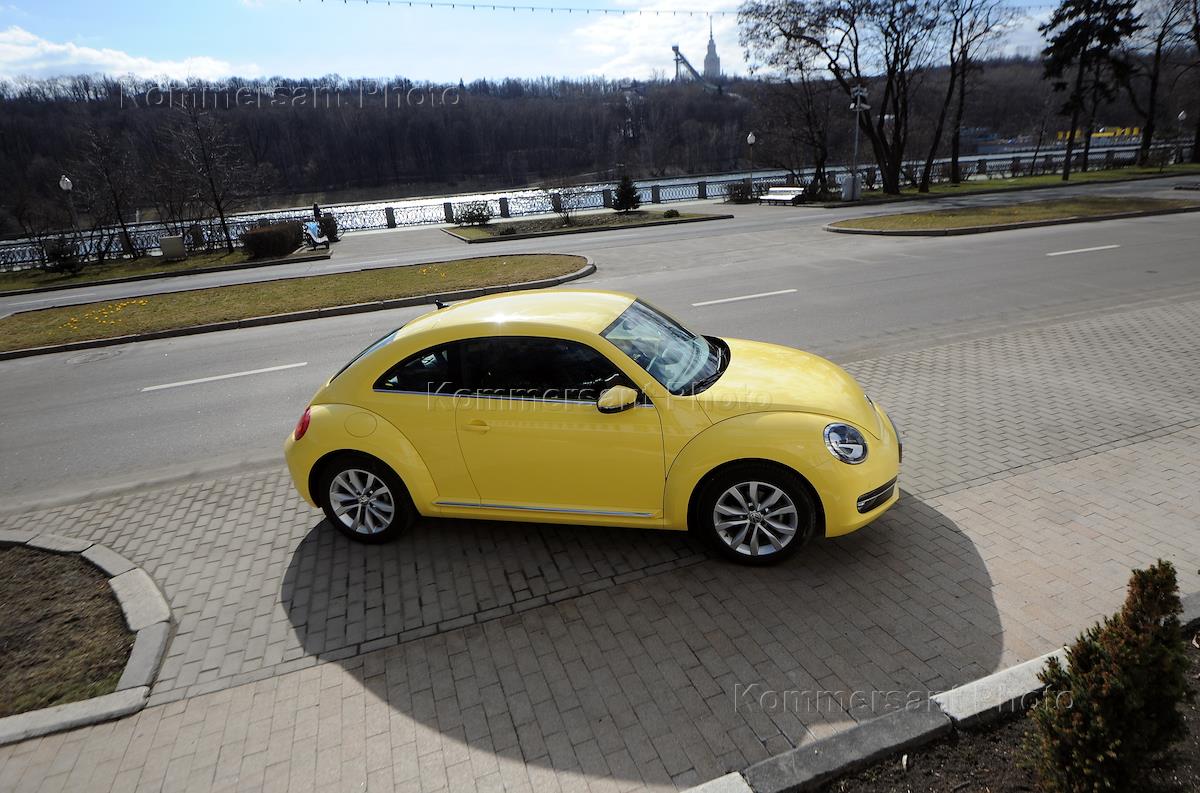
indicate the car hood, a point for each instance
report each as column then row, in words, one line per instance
column 769, row 377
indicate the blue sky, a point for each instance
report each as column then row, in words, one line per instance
column 309, row 38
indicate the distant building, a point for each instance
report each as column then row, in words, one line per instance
column 712, row 62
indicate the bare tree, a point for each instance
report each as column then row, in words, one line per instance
column 1165, row 29
column 109, row 178
column 1192, row 26
column 565, row 200
column 888, row 44
column 979, row 25
column 794, row 115
column 213, row 160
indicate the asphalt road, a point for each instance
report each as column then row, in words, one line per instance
column 77, row 423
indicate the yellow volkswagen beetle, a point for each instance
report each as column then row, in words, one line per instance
column 594, row 408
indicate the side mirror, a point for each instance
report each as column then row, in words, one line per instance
column 616, row 399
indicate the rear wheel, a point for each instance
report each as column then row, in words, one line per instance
column 364, row 499
column 755, row 514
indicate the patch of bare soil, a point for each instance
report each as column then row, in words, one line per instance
column 62, row 635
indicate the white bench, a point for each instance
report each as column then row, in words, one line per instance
column 783, row 195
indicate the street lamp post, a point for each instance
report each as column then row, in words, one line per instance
column 67, row 186
column 858, row 104
column 750, row 142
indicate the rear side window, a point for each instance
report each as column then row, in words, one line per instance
column 432, row 371
column 375, row 345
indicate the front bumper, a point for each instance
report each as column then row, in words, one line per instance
column 868, row 490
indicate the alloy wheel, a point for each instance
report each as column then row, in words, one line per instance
column 755, row 518
column 362, row 501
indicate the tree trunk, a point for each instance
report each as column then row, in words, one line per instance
column 120, row 210
column 1076, row 103
column 1087, row 136
column 1066, row 174
column 956, row 138
column 927, row 171
column 1151, row 109
column 1037, row 147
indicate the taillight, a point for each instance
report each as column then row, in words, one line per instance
column 302, row 424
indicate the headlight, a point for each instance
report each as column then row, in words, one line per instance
column 846, row 443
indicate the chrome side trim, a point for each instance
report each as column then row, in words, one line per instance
column 504, row 398
column 605, row 512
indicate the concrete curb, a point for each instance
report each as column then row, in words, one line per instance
column 586, row 230
column 988, row 698
column 146, row 613
column 300, row 316
column 152, row 276
column 1032, row 224
column 808, row 767
column 965, row 707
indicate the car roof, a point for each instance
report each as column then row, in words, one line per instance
column 587, row 310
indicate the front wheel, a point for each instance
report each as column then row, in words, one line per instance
column 364, row 499
column 755, row 514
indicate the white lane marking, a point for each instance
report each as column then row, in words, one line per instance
column 743, row 297
column 50, row 299
column 224, row 376
column 1084, row 250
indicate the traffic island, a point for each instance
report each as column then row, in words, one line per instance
column 1008, row 184
column 84, row 631
column 147, row 268
column 550, row 227
column 157, row 316
column 1007, row 217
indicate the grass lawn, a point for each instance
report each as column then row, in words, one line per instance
column 554, row 225
column 241, row 301
column 1077, row 177
column 62, row 635
column 1132, row 173
column 124, row 268
column 1054, row 209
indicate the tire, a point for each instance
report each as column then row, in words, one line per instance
column 773, row 502
column 375, row 505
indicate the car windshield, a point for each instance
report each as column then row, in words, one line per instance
column 682, row 361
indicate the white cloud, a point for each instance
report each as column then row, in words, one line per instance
column 26, row 54
column 638, row 45
column 1023, row 38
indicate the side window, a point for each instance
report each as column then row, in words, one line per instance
column 533, row 367
column 430, row 371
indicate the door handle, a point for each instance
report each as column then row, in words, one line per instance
column 476, row 425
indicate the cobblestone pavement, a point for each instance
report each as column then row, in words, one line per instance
column 1041, row 466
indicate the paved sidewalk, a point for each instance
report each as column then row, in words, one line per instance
column 1041, row 466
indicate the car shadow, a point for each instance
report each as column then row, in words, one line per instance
column 637, row 655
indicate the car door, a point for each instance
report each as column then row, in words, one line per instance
column 533, row 439
column 417, row 396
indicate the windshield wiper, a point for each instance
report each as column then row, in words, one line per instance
column 705, row 382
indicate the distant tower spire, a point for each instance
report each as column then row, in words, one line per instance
column 712, row 63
